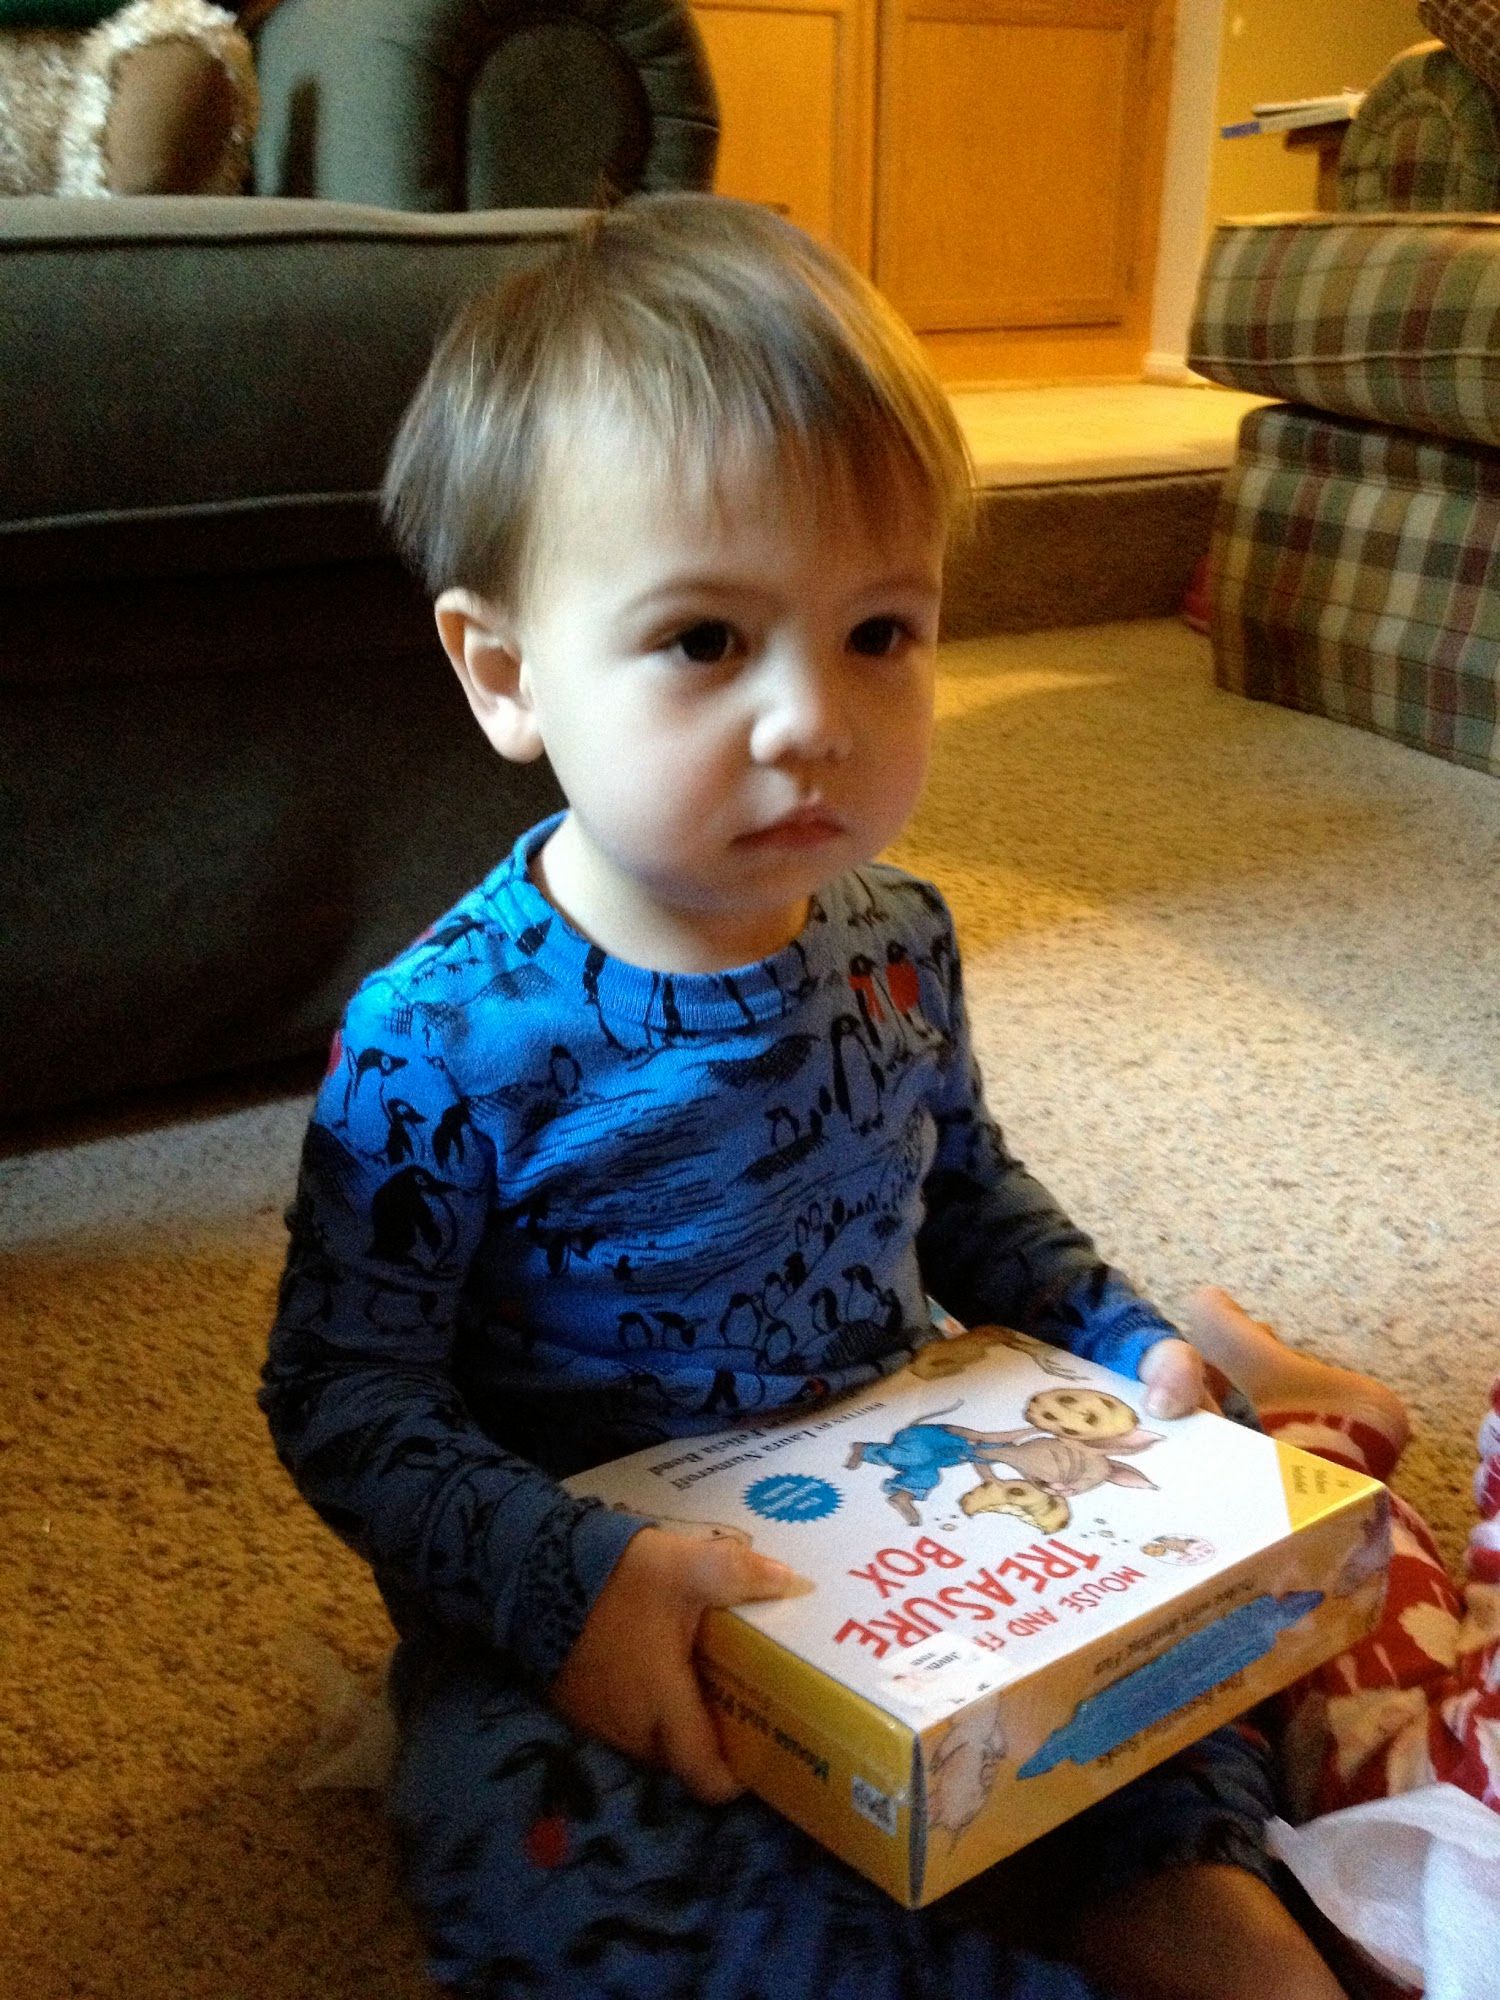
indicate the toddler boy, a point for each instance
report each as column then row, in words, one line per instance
column 674, row 1121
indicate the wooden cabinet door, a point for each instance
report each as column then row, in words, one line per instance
column 1019, row 171
column 796, row 85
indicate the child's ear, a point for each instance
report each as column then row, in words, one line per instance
column 485, row 650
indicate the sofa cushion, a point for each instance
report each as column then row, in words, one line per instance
column 1471, row 28
column 1395, row 319
column 195, row 386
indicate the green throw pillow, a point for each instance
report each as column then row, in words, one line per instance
column 56, row 13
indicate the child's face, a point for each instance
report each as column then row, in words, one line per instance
column 737, row 703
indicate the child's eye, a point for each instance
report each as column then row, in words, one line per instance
column 876, row 637
column 708, row 643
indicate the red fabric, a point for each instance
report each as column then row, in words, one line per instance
column 1419, row 1699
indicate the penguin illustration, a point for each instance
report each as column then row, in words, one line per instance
column 858, row 1080
column 409, row 1207
column 537, row 1101
column 747, row 1324
column 369, row 1062
column 789, row 1143
column 448, row 1134
column 866, row 990
column 869, row 1316
column 401, row 1118
column 722, row 1398
column 866, row 1303
column 869, row 914
column 804, row 982
column 656, row 1329
column 559, row 1246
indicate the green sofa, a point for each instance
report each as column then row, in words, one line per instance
column 1356, row 551
column 235, row 771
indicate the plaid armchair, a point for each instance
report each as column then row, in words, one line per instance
column 1427, row 137
column 1356, row 552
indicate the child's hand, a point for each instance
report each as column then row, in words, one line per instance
column 1175, row 1379
column 630, row 1677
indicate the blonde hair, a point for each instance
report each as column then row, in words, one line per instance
column 704, row 324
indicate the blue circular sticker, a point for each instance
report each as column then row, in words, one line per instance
column 792, row 1496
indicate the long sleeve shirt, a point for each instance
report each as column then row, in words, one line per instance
column 554, row 1207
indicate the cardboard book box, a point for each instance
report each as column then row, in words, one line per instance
column 1025, row 1595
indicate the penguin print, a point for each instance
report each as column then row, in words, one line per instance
column 402, row 1119
column 789, row 1145
column 368, row 1062
column 408, row 1209
column 858, row 1080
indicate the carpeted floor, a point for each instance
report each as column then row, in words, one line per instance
column 1236, row 980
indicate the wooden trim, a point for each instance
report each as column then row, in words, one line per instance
column 772, row 6
column 1152, row 164
column 999, row 358
column 861, row 104
column 1114, row 14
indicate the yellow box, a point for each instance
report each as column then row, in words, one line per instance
column 1025, row 1595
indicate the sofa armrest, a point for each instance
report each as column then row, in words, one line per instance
column 475, row 104
column 1426, row 137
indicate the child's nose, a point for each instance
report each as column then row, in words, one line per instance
column 803, row 715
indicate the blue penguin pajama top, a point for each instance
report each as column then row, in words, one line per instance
column 554, row 1208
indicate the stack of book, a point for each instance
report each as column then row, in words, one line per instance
column 1290, row 116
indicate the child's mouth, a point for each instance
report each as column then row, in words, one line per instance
column 809, row 826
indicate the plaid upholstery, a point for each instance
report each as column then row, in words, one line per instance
column 1427, row 137
column 1395, row 319
column 1471, row 28
column 1357, row 576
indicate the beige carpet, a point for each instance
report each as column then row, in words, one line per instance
column 1235, row 978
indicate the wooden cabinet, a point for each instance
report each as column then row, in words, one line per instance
column 994, row 165
column 796, row 82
